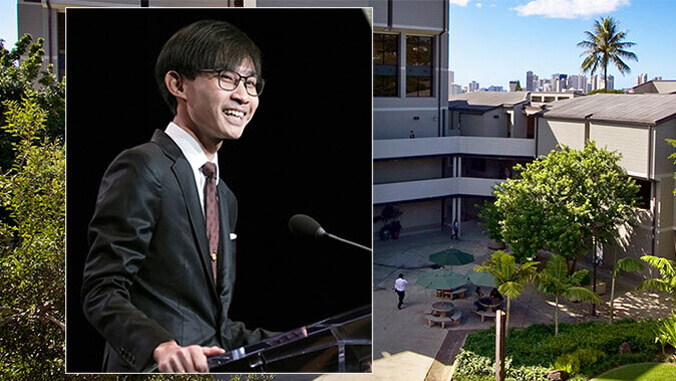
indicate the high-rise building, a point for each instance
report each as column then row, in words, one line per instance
column 577, row 83
column 473, row 86
column 641, row 79
column 529, row 80
column 559, row 82
column 513, row 85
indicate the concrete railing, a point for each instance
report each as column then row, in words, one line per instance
column 452, row 145
column 436, row 188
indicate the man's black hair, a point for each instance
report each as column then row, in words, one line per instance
column 401, row 275
column 205, row 44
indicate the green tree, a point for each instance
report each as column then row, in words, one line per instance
column 32, row 250
column 509, row 276
column 25, row 79
column 565, row 201
column 624, row 264
column 605, row 45
column 667, row 280
column 489, row 218
column 555, row 280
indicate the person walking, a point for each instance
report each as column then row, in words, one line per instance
column 400, row 289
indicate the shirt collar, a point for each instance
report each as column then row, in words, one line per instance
column 190, row 147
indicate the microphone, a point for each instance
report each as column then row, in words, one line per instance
column 306, row 226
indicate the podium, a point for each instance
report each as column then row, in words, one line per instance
column 339, row 344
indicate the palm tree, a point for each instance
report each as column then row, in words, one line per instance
column 605, row 45
column 667, row 281
column 509, row 277
column 624, row 264
column 555, row 280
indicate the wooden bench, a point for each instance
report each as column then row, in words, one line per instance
column 485, row 314
column 431, row 319
column 460, row 293
column 455, row 319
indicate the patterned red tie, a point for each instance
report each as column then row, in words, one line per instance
column 211, row 211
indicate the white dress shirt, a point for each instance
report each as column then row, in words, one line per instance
column 400, row 284
column 196, row 157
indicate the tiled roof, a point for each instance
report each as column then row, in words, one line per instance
column 632, row 108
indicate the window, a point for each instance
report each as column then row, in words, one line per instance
column 418, row 66
column 385, row 65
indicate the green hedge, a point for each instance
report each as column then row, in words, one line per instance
column 585, row 349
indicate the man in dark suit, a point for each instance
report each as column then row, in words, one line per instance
column 159, row 276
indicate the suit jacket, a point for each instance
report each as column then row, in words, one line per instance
column 148, row 276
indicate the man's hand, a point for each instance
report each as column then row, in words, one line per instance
column 172, row 358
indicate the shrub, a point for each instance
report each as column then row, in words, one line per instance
column 584, row 349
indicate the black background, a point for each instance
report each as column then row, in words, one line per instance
column 307, row 150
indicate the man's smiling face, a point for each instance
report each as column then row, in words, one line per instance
column 217, row 114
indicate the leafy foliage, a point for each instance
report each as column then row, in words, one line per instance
column 32, row 224
column 556, row 281
column 560, row 202
column 666, row 282
column 32, row 250
column 509, row 277
column 489, row 218
column 606, row 45
column 25, row 79
column 665, row 331
column 624, row 264
column 534, row 350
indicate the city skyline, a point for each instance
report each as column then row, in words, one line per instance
column 494, row 42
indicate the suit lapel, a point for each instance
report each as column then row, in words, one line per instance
column 186, row 181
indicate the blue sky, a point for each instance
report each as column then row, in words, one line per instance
column 495, row 41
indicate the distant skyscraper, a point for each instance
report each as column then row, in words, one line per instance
column 642, row 78
column 513, row 86
column 496, row 88
column 599, row 83
column 577, row 82
column 473, row 86
column 559, row 82
column 451, row 76
column 529, row 81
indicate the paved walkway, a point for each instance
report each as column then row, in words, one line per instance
column 405, row 348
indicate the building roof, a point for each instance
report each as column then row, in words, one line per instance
column 486, row 100
column 631, row 108
column 657, row 86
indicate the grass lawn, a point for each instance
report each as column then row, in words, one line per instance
column 640, row 372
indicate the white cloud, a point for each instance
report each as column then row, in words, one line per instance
column 568, row 9
column 478, row 5
column 462, row 3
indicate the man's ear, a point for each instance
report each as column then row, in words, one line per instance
column 175, row 84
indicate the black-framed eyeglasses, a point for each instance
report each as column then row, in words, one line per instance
column 229, row 80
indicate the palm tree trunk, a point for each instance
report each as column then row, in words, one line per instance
column 605, row 79
column 556, row 316
column 509, row 308
column 612, row 298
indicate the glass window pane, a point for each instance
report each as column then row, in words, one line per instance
column 419, row 67
column 385, row 65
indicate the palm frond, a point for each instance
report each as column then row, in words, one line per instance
column 583, row 294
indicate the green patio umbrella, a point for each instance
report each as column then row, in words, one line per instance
column 481, row 279
column 452, row 257
column 441, row 279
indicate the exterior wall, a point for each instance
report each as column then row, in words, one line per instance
column 519, row 122
column 35, row 20
column 415, row 217
column 486, row 125
column 397, row 123
column 552, row 132
column 394, row 171
column 633, row 142
column 419, row 15
column 664, row 165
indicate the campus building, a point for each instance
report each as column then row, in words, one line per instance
column 636, row 126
